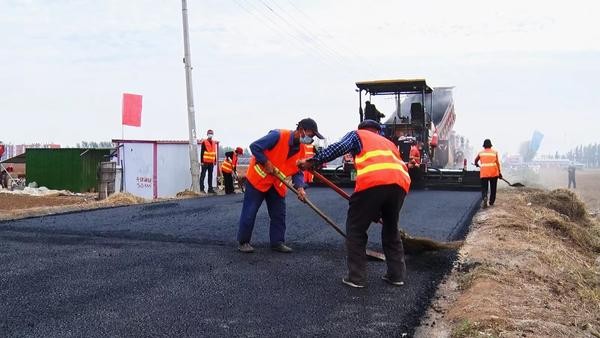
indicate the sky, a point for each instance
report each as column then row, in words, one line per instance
column 517, row 66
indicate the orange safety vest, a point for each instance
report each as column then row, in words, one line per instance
column 379, row 163
column 489, row 163
column 262, row 181
column 310, row 152
column 415, row 154
column 210, row 155
column 227, row 166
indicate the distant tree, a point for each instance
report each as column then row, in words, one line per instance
column 94, row 144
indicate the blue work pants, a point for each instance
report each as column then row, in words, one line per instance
column 253, row 199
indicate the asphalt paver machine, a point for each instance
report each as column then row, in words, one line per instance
column 420, row 115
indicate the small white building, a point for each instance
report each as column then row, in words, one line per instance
column 154, row 169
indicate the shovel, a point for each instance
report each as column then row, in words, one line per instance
column 518, row 185
column 370, row 253
column 411, row 244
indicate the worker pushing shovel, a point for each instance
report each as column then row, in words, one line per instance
column 382, row 182
column 280, row 148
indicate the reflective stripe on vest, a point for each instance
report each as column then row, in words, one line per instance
column 209, row 155
column 226, row 166
column 488, row 163
column 310, row 151
column 379, row 163
column 256, row 174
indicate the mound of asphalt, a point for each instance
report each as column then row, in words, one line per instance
column 172, row 269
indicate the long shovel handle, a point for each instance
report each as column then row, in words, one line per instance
column 280, row 176
column 331, row 185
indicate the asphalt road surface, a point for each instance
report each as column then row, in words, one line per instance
column 172, row 269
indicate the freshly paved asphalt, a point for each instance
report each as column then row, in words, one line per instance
column 172, row 269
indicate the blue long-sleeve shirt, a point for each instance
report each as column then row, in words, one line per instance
column 350, row 143
column 268, row 142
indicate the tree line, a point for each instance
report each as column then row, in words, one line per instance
column 588, row 155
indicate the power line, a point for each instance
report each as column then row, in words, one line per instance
column 275, row 27
column 308, row 35
column 325, row 33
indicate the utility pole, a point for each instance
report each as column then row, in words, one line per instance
column 194, row 165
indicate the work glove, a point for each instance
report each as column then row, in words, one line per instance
column 500, row 176
column 301, row 194
column 306, row 164
column 269, row 168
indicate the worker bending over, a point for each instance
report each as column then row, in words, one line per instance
column 229, row 167
column 279, row 149
column 382, row 182
column 489, row 172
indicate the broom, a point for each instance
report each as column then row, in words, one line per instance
column 411, row 244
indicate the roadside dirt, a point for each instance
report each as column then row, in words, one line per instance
column 15, row 206
column 530, row 267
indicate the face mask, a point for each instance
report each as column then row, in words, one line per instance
column 306, row 139
column 209, row 136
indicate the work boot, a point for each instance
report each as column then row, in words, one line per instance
column 246, row 248
column 391, row 281
column 352, row 284
column 211, row 191
column 484, row 204
column 280, row 247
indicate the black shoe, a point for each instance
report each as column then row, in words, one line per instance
column 352, row 284
column 281, row 248
column 211, row 191
column 392, row 281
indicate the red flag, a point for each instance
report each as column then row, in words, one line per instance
column 132, row 110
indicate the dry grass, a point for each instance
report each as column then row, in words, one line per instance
column 32, row 206
column 187, row 194
column 529, row 267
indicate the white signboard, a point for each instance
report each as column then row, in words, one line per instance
column 153, row 169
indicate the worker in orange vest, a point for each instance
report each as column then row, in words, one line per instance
column 414, row 156
column 488, row 161
column 310, row 152
column 208, row 159
column 279, row 149
column 228, row 167
column 382, row 182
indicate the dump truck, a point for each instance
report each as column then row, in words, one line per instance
column 419, row 115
